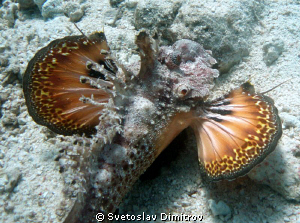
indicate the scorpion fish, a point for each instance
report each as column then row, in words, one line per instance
column 75, row 86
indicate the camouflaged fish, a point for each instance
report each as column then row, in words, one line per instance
column 74, row 86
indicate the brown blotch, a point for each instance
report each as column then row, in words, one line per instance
column 223, row 167
column 230, row 162
column 244, row 160
column 260, row 143
column 264, row 106
column 263, row 121
column 38, row 93
column 44, row 66
column 244, row 146
column 271, row 131
column 64, row 49
column 264, row 130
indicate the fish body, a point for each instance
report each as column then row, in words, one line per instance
column 75, row 86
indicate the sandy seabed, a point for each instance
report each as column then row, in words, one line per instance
column 252, row 40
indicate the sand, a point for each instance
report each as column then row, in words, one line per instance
column 252, row 40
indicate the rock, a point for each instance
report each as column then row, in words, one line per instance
column 52, row 8
column 289, row 120
column 9, row 120
column 74, row 11
column 160, row 14
column 8, row 207
column 220, row 208
column 3, row 62
column 272, row 50
column 222, row 27
column 9, row 179
column 115, row 3
column 8, row 13
column 25, row 4
column 3, row 182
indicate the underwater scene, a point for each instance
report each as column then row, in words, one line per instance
column 149, row 111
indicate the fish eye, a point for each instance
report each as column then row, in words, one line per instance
column 182, row 90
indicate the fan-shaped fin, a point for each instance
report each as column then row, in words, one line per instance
column 53, row 89
column 236, row 132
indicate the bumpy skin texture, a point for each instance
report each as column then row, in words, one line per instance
column 74, row 86
column 150, row 106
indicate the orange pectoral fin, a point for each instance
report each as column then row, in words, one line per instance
column 54, row 91
column 236, row 133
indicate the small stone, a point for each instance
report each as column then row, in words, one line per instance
column 4, row 62
column 115, row 3
column 3, row 182
column 22, row 121
column 220, row 208
column 272, row 50
column 289, row 120
column 9, row 120
column 51, row 8
column 9, row 180
column 194, row 195
column 74, row 11
column 185, row 203
column 8, row 207
column 17, row 218
column 31, row 214
column 10, row 12
column 175, row 205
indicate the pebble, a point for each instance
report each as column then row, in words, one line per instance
column 9, row 180
column 74, row 11
column 185, row 203
column 3, row 182
column 272, row 51
column 175, row 205
column 220, row 208
column 8, row 207
column 289, row 120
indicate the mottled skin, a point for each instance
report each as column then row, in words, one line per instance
column 153, row 110
column 75, row 86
